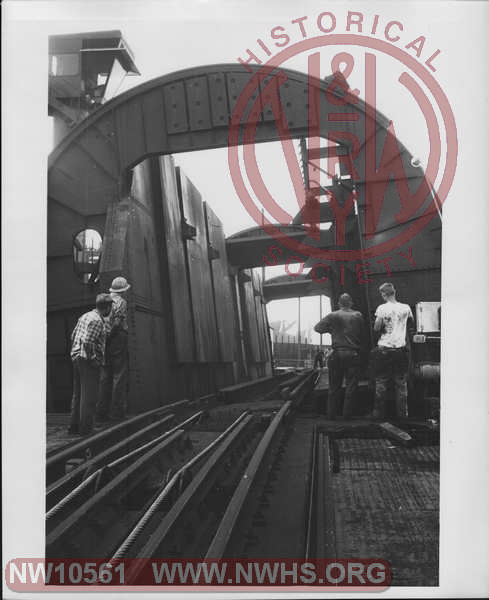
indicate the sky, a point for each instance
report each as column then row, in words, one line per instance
column 166, row 36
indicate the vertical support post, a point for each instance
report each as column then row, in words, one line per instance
column 299, row 332
column 320, row 317
column 362, row 250
column 242, row 345
column 263, row 266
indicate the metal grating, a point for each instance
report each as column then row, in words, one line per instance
column 387, row 506
column 387, row 490
column 408, row 540
column 375, row 454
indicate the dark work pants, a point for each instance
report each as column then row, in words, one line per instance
column 391, row 368
column 342, row 364
column 114, row 379
column 85, row 393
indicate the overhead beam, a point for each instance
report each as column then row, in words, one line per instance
column 250, row 251
column 327, row 152
column 261, row 249
column 294, row 287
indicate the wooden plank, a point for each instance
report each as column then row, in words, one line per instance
column 177, row 268
column 251, row 321
column 258, row 313
column 149, row 365
column 261, row 320
column 393, row 432
column 143, row 260
column 114, row 242
column 262, row 328
column 202, row 297
column 223, row 296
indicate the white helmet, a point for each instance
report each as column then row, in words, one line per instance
column 119, row 285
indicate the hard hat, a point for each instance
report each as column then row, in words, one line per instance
column 119, row 285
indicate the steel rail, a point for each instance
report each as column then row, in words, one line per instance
column 203, row 481
column 236, row 504
column 298, row 393
column 111, row 468
column 294, row 387
column 63, row 486
column 242, row 391
column 325, row 529
column 292, row 381
column 117, row 487
column 138, row 530
column 96, row 443
column 310, row 524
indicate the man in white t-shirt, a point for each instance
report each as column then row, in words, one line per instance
column 393, row 321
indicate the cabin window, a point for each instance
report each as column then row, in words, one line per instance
column 87, row 249
column 64, row 65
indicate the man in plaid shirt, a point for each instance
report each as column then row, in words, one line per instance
column 114, row 378
column 87, row 355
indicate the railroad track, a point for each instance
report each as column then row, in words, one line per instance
column 255, row 480
column 87, row 448
column 68, row 466
column 70, row 491
column 210, row 511
column 106, row 494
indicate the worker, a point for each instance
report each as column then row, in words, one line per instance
column 319, row 360
column 87, row 354
column 394, row 324
column 114, row 378
column 347, row 329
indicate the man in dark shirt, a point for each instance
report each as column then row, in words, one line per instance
column 347, row 329
column 319, row 360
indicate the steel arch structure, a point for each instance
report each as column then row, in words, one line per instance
column 90, row 172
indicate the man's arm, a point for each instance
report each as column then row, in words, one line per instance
column 379, row 324
column 364, row 337
column 324, row 325
column 94, row 341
